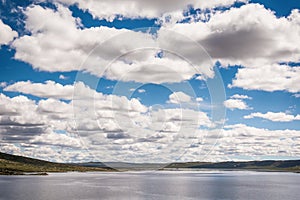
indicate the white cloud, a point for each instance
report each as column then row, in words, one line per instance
column 55, row 109
column 86, row 106
column 89, row 109
column 19, row 119
column 40, row 127
column 56, row 139
column 236, row 101
column 10, row 148
column 3, row 84
column 141, row 91
column 62, row 77
column 236, row 104
column 275, row 117
column 244, row 140
column 297, row 95
column 61, row 38
column 60, row 44
column 258, row 43
column 199, row 99
column 183, row 116
column 253, row 37
column 19, row 110
column 241, row 38
column 239, row 96
column 122, row 128
column 109, row 10
column 179, row 97
column 154, row 70
column 49, row 89
column 201, row 78
column 112, row 121
column 268, row 78
column 7, row 34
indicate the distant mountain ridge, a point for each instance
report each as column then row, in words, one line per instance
column 124, row 166
column 18, row 165
column 266, row 165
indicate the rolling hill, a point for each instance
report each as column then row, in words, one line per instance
column 265, row 165
column 18, row 165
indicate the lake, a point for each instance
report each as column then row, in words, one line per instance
column 153, row 185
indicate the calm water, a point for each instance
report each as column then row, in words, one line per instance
column 153, row 185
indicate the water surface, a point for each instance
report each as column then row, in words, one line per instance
column 153, row 185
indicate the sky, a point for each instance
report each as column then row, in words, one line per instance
column 150, row 81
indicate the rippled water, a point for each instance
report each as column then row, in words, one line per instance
column 153, row 185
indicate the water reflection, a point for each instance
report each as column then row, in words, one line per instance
column 152, row 185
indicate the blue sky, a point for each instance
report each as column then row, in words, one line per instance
column 77, row 81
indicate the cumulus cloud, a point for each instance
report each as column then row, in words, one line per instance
column 275, row 117
column 181, row 115
column 296, row 95
column 56, row 139
column 90, row 109
column 257, row 43
column 3, row 84
column 141, row 91
column 240, row 139
column 253, row 37
column 275, row 78
column 55, row 110
column 60, row 37
column 115, row 122
column 154, row 70
column 19, row 119
column 179, row 97
column 61, row 44
column 14, row 109
column 7, row 34
column 40, row 127
column 241, row 38
column 144, row 8
column 240, row 96
column 199, row 99
column 237, row 102
column 62, row 77
column 49, row 89
column 122, row 128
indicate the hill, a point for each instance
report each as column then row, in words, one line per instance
column 265, row 165
column 18, row 165
column 124, row 166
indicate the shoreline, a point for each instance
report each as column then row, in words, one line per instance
column 46, row 173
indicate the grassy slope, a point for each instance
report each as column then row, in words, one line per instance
column 267, row 165
column 11, row 164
